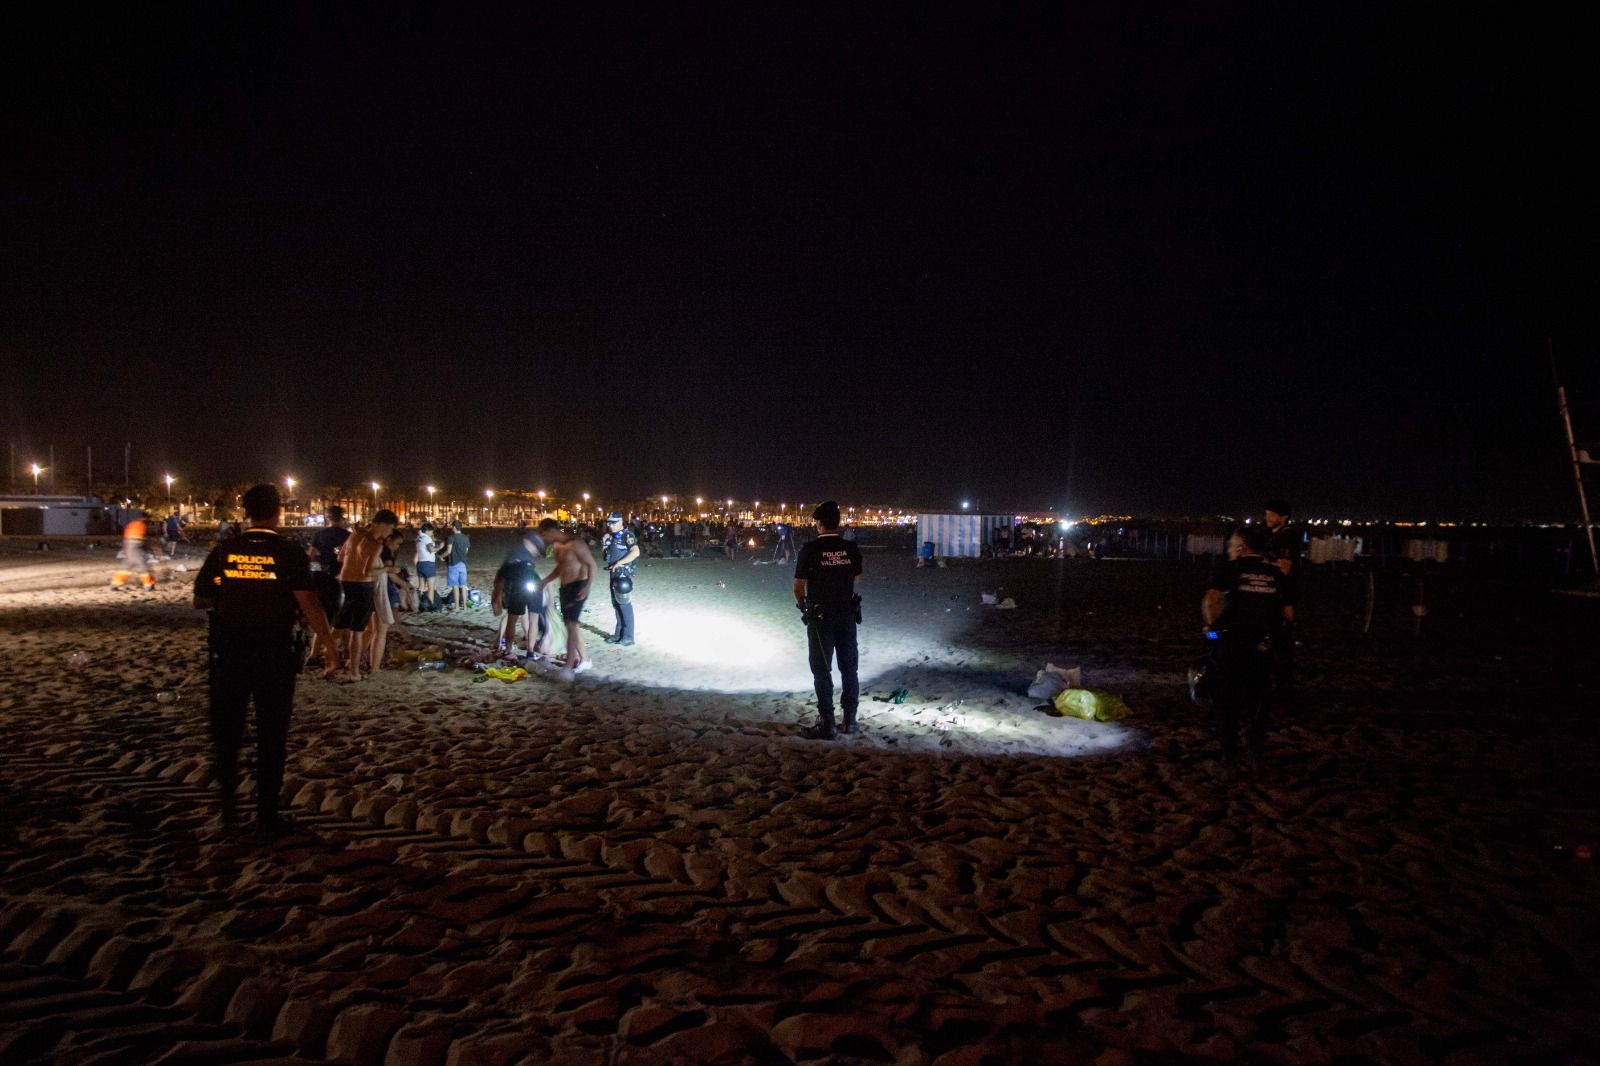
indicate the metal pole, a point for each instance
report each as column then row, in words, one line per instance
column 1577, row 477
column 88, row 450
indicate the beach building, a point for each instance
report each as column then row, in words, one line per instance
column 958, row 534
column 53, row 516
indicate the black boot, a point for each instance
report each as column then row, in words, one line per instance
column 824, row 729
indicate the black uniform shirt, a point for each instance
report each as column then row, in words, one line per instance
column 327, row 541
column 460, row 544
column 1252, row 593
column 1285, row 545
column 829, row 566
column 252, row 579
column 616, row 545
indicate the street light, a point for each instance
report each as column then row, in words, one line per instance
column 37, row 470
column 374, row 497
column 169, row 479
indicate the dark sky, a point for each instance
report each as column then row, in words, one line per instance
column 1159, row 261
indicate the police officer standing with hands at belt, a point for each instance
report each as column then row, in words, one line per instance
column 825, row 576
column 255, row 584
column 620, row 550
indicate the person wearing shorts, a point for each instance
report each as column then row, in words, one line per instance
column 325, row 545
column 456, row 573
column 573, row 595
column 356, row 581
column 428, row 567
column 574, row 569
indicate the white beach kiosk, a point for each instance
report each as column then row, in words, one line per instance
column 957, row 534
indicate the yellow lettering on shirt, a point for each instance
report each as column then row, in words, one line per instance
column 249, row 567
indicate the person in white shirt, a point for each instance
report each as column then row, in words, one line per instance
column 427, row 567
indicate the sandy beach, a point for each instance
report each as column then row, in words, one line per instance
column 649, row 864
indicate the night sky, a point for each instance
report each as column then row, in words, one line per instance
column 1150, row 261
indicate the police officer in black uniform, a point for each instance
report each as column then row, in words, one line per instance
column 825, row 576
column 1283, row 551
column 1244, row 605
column 255, row 584
column 620, row 551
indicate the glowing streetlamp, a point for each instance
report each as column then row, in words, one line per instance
column 289, row 483
column 540, row 494
column 37, row 470
column 169, row 480
column 375, row 486
column 965, row 504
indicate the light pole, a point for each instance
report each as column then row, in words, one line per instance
column 540, row 494
column 431, row 491
column 37, row 470
column 375, row 486
column 488, row 494
column 585, row 503
column 169, row 479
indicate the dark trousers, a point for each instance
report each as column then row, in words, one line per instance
column 835, row 635
column 1283, row 662
column 624, row 611
column 264, row 670
column 329, row 593
column 1241, row 700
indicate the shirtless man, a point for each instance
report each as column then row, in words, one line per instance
column 574, row 568
column 361, row 564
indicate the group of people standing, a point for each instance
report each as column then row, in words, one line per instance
column 362, row 584
column 257, row 583
column 520, row 597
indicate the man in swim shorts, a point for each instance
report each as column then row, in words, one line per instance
column 574, row 569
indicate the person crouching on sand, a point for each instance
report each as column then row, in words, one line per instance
column 574, row 568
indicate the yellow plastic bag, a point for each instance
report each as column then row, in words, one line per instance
column 506, row 673
column 1090, row 705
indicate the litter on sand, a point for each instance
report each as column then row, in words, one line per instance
column 506, row 673
column 1053, row 679
column 1089, row 704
